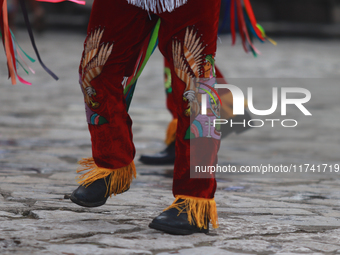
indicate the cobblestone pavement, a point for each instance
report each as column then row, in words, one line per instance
column 43, row 133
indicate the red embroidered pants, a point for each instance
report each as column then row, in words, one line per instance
column 187, row 36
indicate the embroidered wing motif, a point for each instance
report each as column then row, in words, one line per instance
column 192, row 51
column 188, row 66
column 95, row 57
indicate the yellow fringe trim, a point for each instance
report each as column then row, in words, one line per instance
column 171, row 132
column 120, row 177
column 198, row 210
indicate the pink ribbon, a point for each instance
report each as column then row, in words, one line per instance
column 58, row 1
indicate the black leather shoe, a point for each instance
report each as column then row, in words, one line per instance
column 94, row 195
column 227, row 130
column 165, row 157
column 172, row 223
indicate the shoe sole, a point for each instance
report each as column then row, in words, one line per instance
column 96, row 204
column 84, row 204
column 176, row 231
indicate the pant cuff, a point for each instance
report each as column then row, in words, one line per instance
column 120, row 178
column 200, row 211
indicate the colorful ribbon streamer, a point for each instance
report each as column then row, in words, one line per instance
column 30, row 33
column 58, row 1
column 241, row 18
column 7, row 42
column 149, row 46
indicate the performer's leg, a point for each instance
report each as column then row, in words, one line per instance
column 187, row 38
column 115, row 33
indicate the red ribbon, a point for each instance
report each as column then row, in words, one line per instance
column 241, row 25
column 232, row 21
column 252, row 18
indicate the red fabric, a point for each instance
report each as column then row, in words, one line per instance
column 126, row 26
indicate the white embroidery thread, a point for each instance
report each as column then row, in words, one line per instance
column 158, row 6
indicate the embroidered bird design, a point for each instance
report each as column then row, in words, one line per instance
column 94, row 59
column 188, row 67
